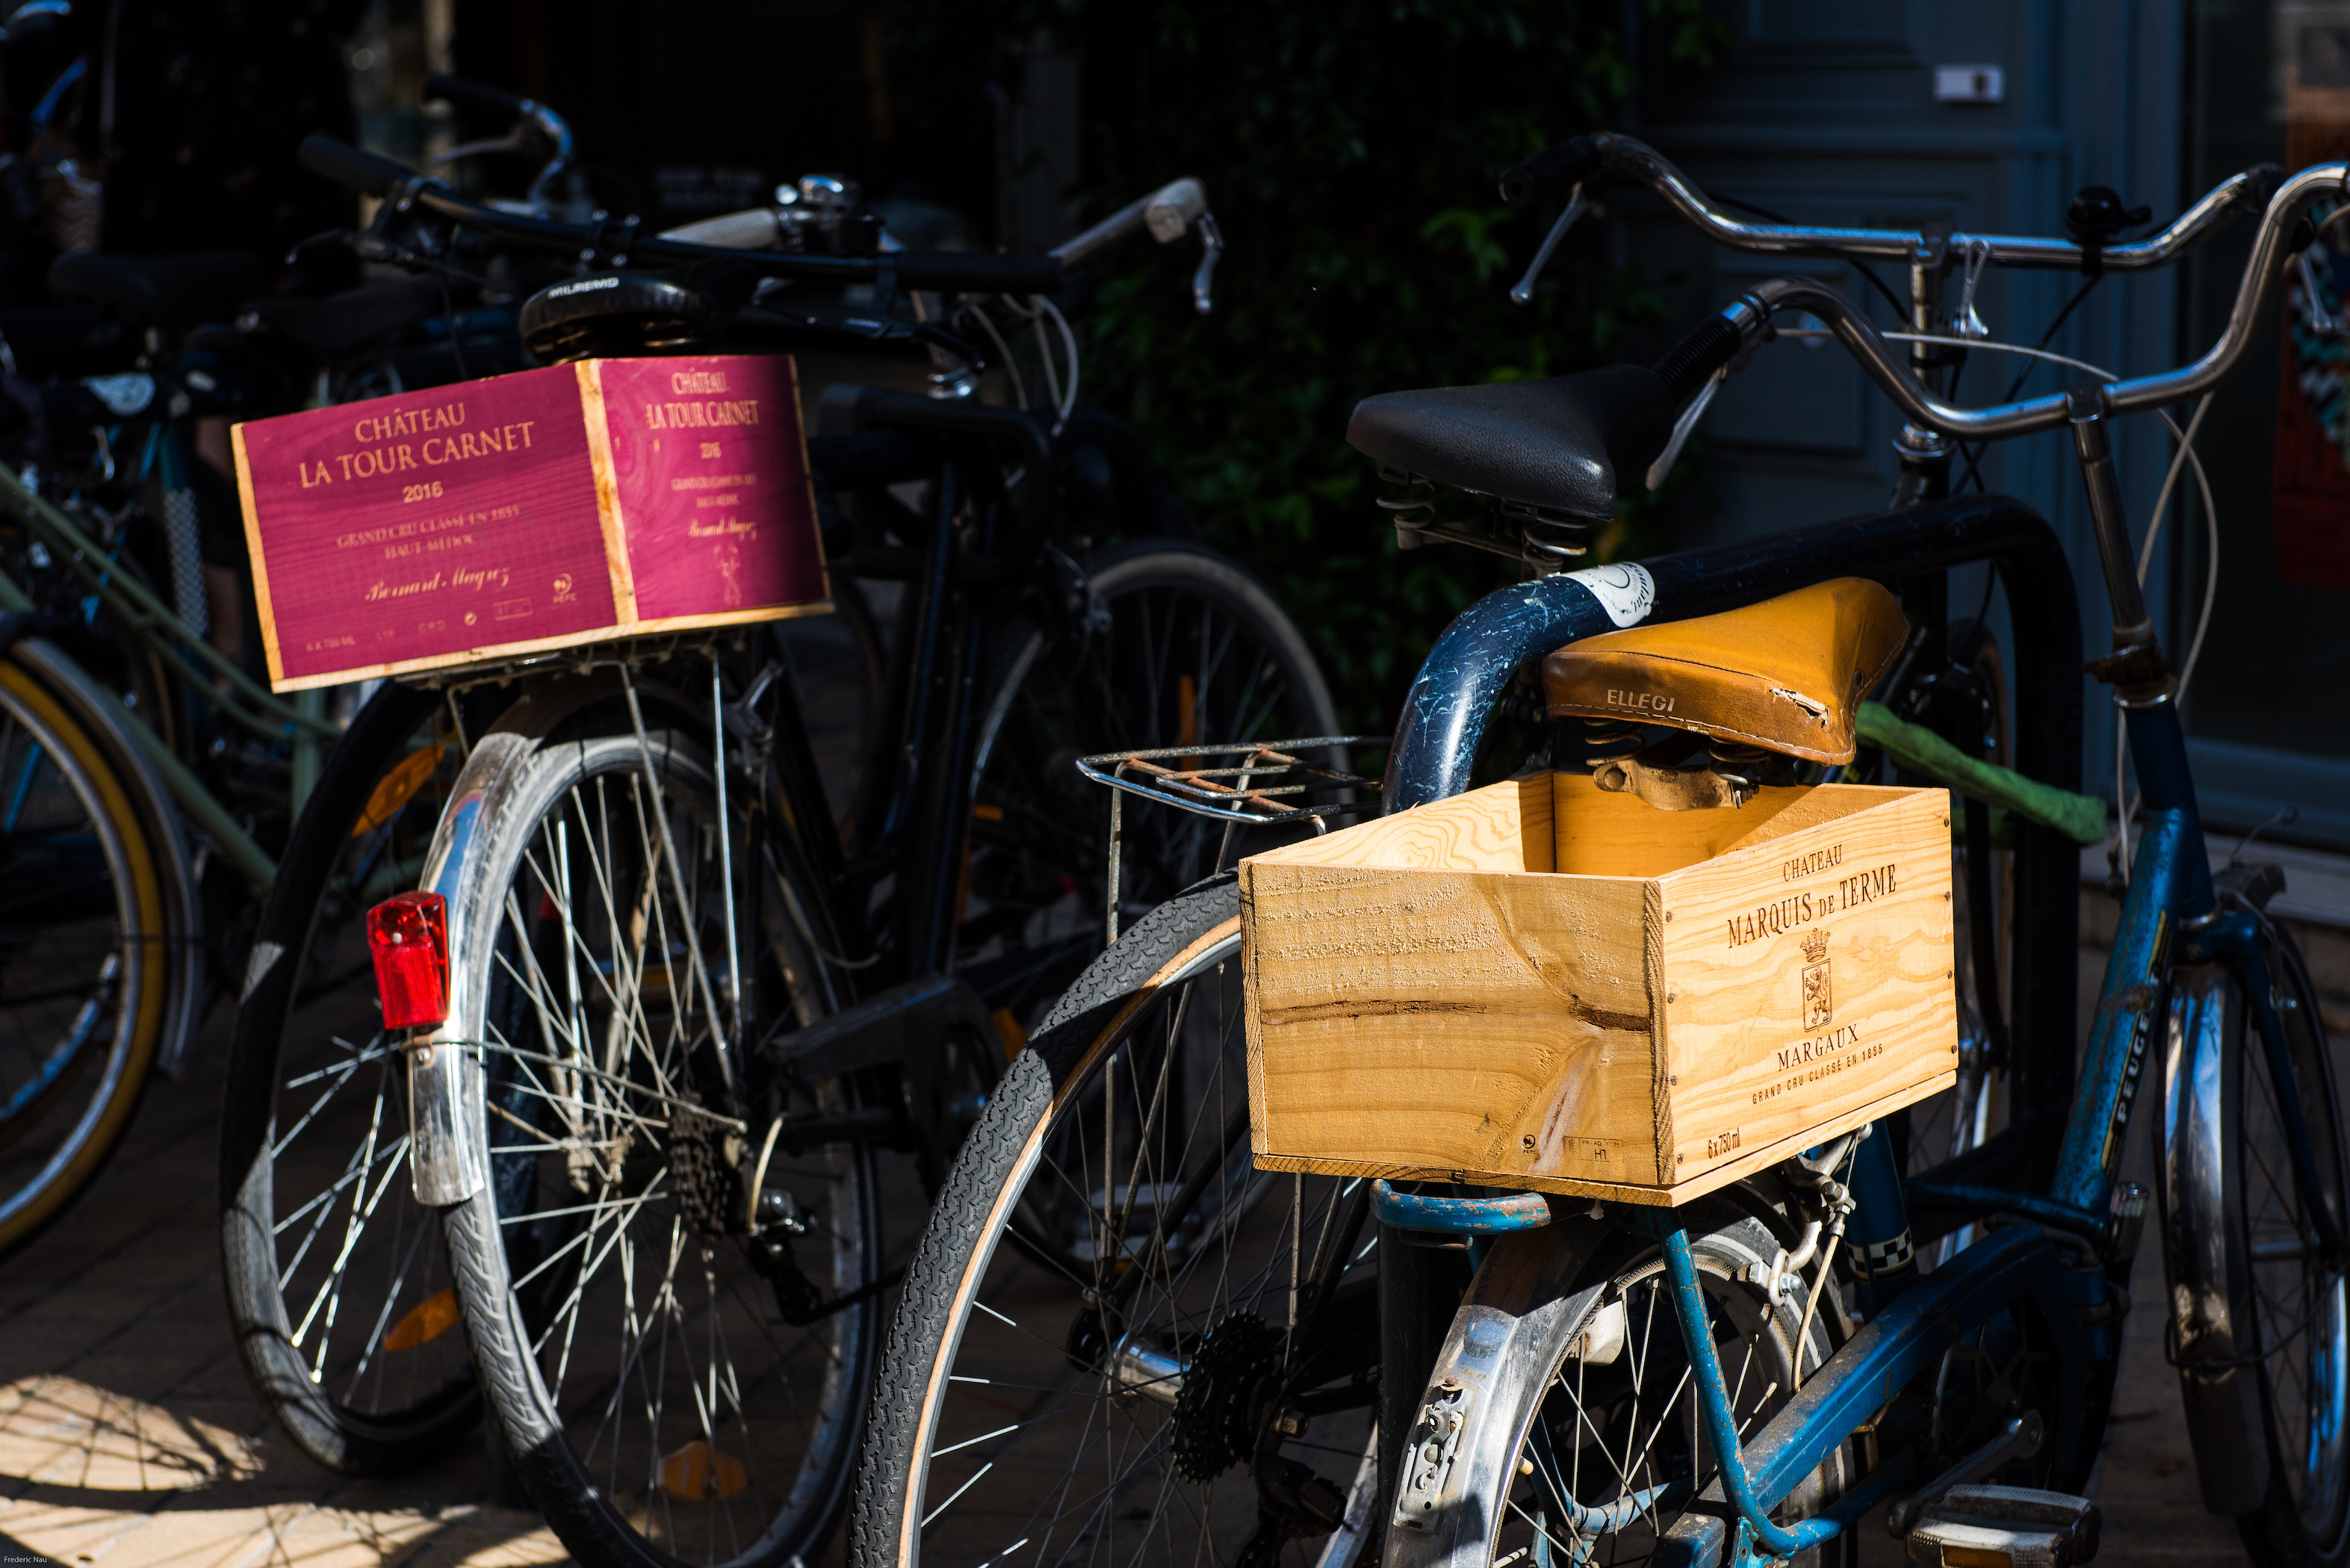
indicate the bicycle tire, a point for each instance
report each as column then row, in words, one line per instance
column 2303, row 1386
column 1176, row 969
column 307, row 973
column 1150, row 663
column 507, row 1236
column 114, row 1032
column 99, row 711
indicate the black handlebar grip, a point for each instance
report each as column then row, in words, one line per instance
column 1688, row 363
column 474, row 95
column 371, row 173
column 978, row 271
column 1555, row 170
column 2265, row 181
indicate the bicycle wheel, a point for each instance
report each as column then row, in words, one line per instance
column 338, row 1292
column 671, row 1386
column 1087, row 1345
column 85, row 955
column 2300, row 1310
column 1612, row 1451
column 1178, row 644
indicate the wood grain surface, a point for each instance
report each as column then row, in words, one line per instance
column 1427, row 998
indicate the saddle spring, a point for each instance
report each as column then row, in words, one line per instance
column 1547, row 541
column 1413, row 508
column 1738, row 764
column 1607, row 741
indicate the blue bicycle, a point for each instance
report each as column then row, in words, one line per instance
column 1121, row 1341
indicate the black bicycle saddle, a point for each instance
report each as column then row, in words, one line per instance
column 160, row 291
column 612, row 313
column 1559, row 445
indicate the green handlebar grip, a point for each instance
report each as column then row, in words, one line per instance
column 1921, row 751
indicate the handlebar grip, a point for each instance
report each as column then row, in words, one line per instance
column 1555, row 170
column 1174, row 208
column 371, row 173
column 979, row 272
column 1688, row 363
column 476, row 95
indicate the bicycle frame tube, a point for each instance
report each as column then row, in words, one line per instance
column 942, row 639
column 2127, row 1006
column 1721, row 1422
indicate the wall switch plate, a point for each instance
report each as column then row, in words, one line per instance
column 1969, row 84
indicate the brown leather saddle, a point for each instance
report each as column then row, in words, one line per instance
column 1784, row 676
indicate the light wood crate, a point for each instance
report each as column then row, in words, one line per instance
column 1538, row 985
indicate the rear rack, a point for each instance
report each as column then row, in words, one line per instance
column 1250, row 785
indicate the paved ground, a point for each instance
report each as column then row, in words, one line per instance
column 127, row 1436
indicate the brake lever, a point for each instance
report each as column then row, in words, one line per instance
column 367, row 244
column 1211, row 242
column 510, row 143
column 2322, row 325
column 1682, row 427
column 1524, row 294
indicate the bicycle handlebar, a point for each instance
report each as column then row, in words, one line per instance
column 1746, row 316
column 1166, row 213
column 962, row 272
column 1169, row 213
column 1555, row 170
column 369, row 173
column 479, row 96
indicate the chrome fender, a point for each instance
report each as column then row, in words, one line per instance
column 2203, row 1248
column 1488, row 1380
column 448, row 1150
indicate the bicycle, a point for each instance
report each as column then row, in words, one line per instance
column 101, row 507
column 1619, row 1381
column 787, row 995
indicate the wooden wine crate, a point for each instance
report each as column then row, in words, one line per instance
column 577, row 504
column 1539, row 985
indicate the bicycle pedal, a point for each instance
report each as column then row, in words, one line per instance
column 2005, row 1527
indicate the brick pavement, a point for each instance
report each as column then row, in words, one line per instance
column 127, row 1436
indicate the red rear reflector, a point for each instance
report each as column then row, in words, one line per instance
column 407, row 936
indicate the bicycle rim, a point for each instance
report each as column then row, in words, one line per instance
column 2298, row 1301
column 1617, row 1450
column 83, row 958
column 673, row 1389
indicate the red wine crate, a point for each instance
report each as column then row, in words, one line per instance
column 577, row 504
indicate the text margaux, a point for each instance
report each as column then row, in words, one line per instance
column 1812, row 1050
